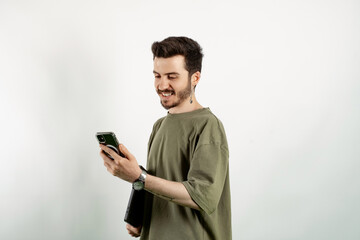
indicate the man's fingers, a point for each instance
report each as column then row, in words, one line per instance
column 133, row 231
column 107, row 159
column 125, row 151
column 108, row 167
column 108, row 150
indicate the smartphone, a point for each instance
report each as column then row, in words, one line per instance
column 109, row 139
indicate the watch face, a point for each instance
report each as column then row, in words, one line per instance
column 138, row 185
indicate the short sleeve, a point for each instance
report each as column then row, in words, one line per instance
column 208, row 170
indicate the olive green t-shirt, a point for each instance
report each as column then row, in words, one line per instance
column 190, row 148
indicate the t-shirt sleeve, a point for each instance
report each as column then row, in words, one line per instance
column 208, row 170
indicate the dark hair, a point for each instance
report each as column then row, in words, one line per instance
column 184, row 46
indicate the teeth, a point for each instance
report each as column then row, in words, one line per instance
column 166, row 94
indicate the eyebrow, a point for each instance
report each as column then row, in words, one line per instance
column 170, row 73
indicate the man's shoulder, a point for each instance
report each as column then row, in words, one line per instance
column 158, row 122
column 211, row 118
column 207, row 115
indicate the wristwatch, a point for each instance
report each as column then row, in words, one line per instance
column 139, row 184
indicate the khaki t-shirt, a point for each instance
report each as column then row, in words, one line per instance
column 190, row 148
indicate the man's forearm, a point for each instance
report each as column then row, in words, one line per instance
column 169, row 190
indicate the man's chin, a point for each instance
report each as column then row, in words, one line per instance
column 167, row 106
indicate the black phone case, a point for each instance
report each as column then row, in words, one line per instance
column 135, row 209
column 110, row 140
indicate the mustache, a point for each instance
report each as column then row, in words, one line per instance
column 165, row 91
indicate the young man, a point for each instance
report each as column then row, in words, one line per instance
column 188, row 169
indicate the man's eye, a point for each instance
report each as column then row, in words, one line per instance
column 171, row 77
column 157, row 76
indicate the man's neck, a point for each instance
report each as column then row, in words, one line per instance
column 186, row 106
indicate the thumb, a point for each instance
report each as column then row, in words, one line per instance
column 125, row 151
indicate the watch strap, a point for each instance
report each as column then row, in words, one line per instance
column 143, row 174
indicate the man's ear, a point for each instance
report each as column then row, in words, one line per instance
column 195, row 78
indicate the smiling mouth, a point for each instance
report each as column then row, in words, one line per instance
column 166, row 94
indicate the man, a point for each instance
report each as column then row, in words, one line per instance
column 188, row 170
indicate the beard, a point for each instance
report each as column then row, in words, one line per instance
column 181, row 96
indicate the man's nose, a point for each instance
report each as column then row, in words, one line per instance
column 163, row 83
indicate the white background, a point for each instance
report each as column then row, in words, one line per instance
column 283, row 76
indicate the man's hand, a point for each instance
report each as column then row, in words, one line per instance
column 133, row 231
column 125, row 168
